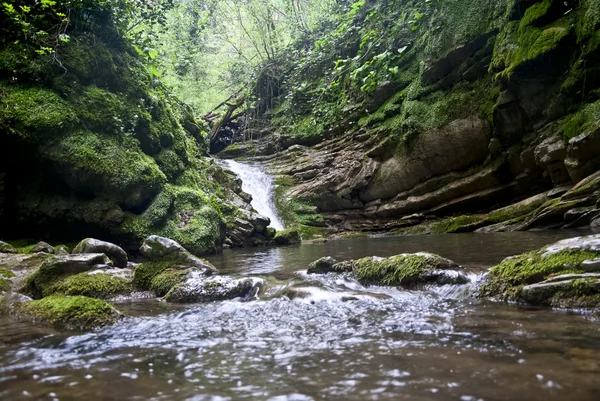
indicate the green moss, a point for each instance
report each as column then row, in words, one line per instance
column 520, row 42
column 182, row 214
column 162, row 283
column 584, row 121
column 69, row 312
column 155, row 275
column 5, row 282
column 106, row 166
column 455, row 224
column 534, row 13
column 95, row 285
column 239, row 149
column 287, row 237
column 394, row 271
column 35, row 113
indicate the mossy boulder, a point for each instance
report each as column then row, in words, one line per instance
column 564, row 291
column 287, row 237
column 78, row 312
column 321, row 266
column 507, row 280
column 103, row 284
column 41, row 282
column 159, row 249
column 407, row 270
column 114, row 252
column 42, row 247
column 7, row 248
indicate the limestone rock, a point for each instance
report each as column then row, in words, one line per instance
column 198, row 288
column 159, row 249
column 114, row 252
column 567, row 290
column 42, row 247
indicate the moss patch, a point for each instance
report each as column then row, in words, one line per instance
column 398, row 270
column 95, row 285
column 162, row 282
column 69, row 312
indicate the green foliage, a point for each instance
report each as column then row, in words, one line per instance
column 584, row 121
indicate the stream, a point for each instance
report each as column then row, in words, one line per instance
column 341, row 342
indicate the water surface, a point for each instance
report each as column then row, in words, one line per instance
column 342, row 342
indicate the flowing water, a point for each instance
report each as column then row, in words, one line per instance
column 259, row 184
column 341, row 342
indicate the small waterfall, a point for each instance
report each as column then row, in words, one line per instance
column 259, row 184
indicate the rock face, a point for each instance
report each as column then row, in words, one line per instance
column 116, row 254
column 491, row 118
column 564, row 274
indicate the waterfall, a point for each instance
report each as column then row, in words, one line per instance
column 259, row 184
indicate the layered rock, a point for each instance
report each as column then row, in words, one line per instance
column 564, row 274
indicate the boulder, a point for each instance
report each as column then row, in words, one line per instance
column 323, row 265
column 5, row 247
column 198, row 288
column 42, row 247
column 287, row 237
column 566, row 290
column 100, row 283
column 114, row 252
column 72, row 313
column 41, row 282
column 159, row 249
column 408, row 270
column 579, row 255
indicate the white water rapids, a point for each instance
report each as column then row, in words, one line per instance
column 259, row 184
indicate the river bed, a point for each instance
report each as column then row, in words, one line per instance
column 341, row 342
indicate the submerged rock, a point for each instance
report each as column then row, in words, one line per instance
column 114, row 252
column 5, row 247
column 78, row 313
column 198, row 288
column 408, row 270
column 159, row 249
column 287, row 237
column 531, row 277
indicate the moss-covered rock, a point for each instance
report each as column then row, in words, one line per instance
column 321, row 266
column 79, row 313
column 407, row 270
column 103, row 284
column 287, row 237
column 183, row 214
column 564, row 291
column 6, row 280
column 7, row 248
column 572, row 256
column 41, row 282
column 159, row 249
